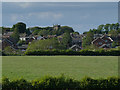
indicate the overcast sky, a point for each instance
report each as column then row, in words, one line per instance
column 60, row 0
column 82, row 16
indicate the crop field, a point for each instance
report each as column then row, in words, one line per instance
column 77, row 67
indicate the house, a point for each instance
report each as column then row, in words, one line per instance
column 23, row 47
column 75, row 47
column 97, row 35
column 103, row 42
column 39, row 38
column 27, row 39
column 7, row 34
column 76, row 39
column 24, row 37
column 8, row 42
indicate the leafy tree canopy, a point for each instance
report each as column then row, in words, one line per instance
column 45, row 45
column 20, row 27
column 105, row 29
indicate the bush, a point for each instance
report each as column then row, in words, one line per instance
column 62, row 82
column 70, row 52
column 19, row 84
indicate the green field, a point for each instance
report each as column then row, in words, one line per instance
column 33, row 67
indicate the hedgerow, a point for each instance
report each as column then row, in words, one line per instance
column 70, row 52
column 62, row 83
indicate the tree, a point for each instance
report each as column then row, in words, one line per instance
column 117, row 26
column 112, row 26
column 114, row 44
column 47, row 44
column 20, row 42
column 106, row 27
column 67, row 40
column 8, row 50
column 28, row 32
column 113, row 33
column 91, row 47
column 43, row 32
column 20, row 27
column 88, row 39
column 67, row 29
column 15, row 35
column 100, row 28
column 76, row 33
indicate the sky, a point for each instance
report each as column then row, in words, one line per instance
column 82, row 16
column 60, row 0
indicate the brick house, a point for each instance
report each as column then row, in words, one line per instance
column 103, row 42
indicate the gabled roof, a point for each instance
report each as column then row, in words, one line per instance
column 103, row 45
column 110, row 39
column 107, row 37
column 96, row 39
column 102, row 38
column 75, row 46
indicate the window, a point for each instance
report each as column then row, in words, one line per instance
column 106, row 40
column 100, row 43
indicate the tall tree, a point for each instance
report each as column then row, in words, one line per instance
column 100, row 27
column 15, row 35
column 66, row 41
column 117, row 26
column 112, row 26
column 107, row 28
column 88, row 39
column 20, row 26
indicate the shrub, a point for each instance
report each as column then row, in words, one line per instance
column 62, row 83
column 84, row 52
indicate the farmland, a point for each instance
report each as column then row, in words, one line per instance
column 77, row 67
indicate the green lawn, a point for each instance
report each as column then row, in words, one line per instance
column 33, row 67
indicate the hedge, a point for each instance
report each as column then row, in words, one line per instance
column 70, row 52
column 62, row 83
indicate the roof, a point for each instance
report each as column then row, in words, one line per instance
column 8, row 33
column 95, row 40
column 102, row 39
column 75, row 46
column 110, row 39
column 104, row 45
column 23, row 47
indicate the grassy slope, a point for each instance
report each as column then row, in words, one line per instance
column 32, row 67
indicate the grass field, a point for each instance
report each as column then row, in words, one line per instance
column 33, row 67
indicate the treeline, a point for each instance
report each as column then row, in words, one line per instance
column 62, row 83
column 44, row 31
column 52, row 43
column 21, row 28
column 83, row 52
column 112, row 30
column 106, row 29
